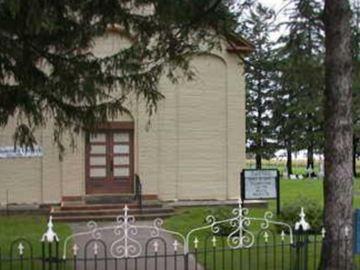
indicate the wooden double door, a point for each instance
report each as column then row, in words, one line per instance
column 109, row 162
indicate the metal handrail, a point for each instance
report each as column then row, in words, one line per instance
column 138, row 191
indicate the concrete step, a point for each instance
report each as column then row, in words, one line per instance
column 119, row 206
column 59, row 212
column 83, row 206
column 109, row 199
column 232, row 203
column 108, row 217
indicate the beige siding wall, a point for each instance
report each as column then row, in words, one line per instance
column 30, row 179
column 73, row 169
column 13, row 169
column 193, row 148
column 236, row 120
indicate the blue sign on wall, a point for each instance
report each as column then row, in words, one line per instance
column 357, row 232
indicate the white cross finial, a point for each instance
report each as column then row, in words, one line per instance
column 50, row 236
column 283, row 236
column 156, row 246
column 213, row 240
column 75, row 249
column 266, row 237
column 126, row 209
column 302, row 213
column 175, row 245
column 96, row 249
column 323, row 232
column 196, row 242
column 21, row 249
column 240, row 202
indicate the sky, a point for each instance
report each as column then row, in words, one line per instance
column 275, row 4
column 278, row 5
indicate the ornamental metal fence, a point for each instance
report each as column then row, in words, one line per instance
column 239, row 242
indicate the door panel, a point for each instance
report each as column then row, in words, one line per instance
column 121, row 172
column 98, row 172
column 98, row 137
column 121, row 137
column 97, row 149
column 109, row 162
column 97, row 160
column 121, row 149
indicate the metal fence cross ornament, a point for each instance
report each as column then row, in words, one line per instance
column 21, row 249
column 50, row 236
column 302, row 224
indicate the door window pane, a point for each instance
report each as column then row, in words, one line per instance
column 97, row 137
column 121, row 149
column 121, row 137
column 97, row 160
column 121, row 172
column 123, row 160
column 97, row 172
column 97, row 149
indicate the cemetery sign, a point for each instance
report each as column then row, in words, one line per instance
column 20, row 152
column 260, row 185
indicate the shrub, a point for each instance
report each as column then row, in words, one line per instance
column 223, row 213
column 313, row 210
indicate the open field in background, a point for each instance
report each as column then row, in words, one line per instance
column 299, row 166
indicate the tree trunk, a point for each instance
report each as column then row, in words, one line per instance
column 310, row 131
column 310, row 157
column 258, row 161
column 289, row 160
column 355, row 144
column 338, row 184
column 310, row 162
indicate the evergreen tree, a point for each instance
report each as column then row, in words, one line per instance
column 355, row 26
column 301, row 78
column 78, row 90
column 285, row 121
column 257, row 27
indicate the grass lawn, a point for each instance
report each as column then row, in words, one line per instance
column 188, row 218
column 28, row 227
column 312, row 189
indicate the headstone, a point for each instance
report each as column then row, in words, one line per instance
column 285, row 174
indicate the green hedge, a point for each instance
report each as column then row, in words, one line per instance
column 313, row 210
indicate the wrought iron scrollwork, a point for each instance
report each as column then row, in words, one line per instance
column 127, row 245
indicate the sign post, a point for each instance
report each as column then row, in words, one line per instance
column 260, row 185
column 357, row 231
